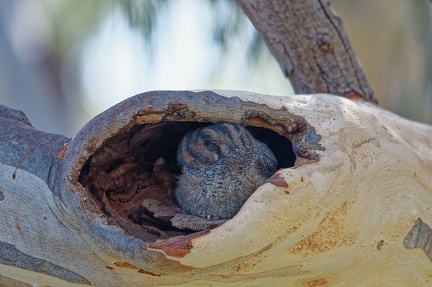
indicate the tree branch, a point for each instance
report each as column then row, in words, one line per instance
column 308, row 41
column 24, row 147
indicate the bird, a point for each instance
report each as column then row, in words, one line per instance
column 221, row 164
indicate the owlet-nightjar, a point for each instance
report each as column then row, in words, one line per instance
column 221, row 166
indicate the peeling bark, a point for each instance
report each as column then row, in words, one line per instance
column 420, row 237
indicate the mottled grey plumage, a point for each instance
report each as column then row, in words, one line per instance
column 222, row 165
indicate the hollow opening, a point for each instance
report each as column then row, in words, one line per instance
column 132, row 178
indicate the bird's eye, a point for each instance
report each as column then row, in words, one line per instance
column 212, row 147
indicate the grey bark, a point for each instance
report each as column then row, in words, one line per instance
column 308, row 41
column 24, row 147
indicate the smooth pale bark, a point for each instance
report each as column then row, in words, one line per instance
column 361, row 213
column 313, row 50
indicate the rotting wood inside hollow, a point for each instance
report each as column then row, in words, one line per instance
column 132, row 178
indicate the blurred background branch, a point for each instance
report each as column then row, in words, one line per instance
column 63, row 61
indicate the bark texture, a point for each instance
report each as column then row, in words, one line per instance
column 351, row 201
column 26, row 148
column 308, row 41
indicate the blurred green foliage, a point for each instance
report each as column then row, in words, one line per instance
column 229, row 22
column 74, row 20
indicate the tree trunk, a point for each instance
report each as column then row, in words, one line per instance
column 308, row 41
column 350, row 201
column 75, row 212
